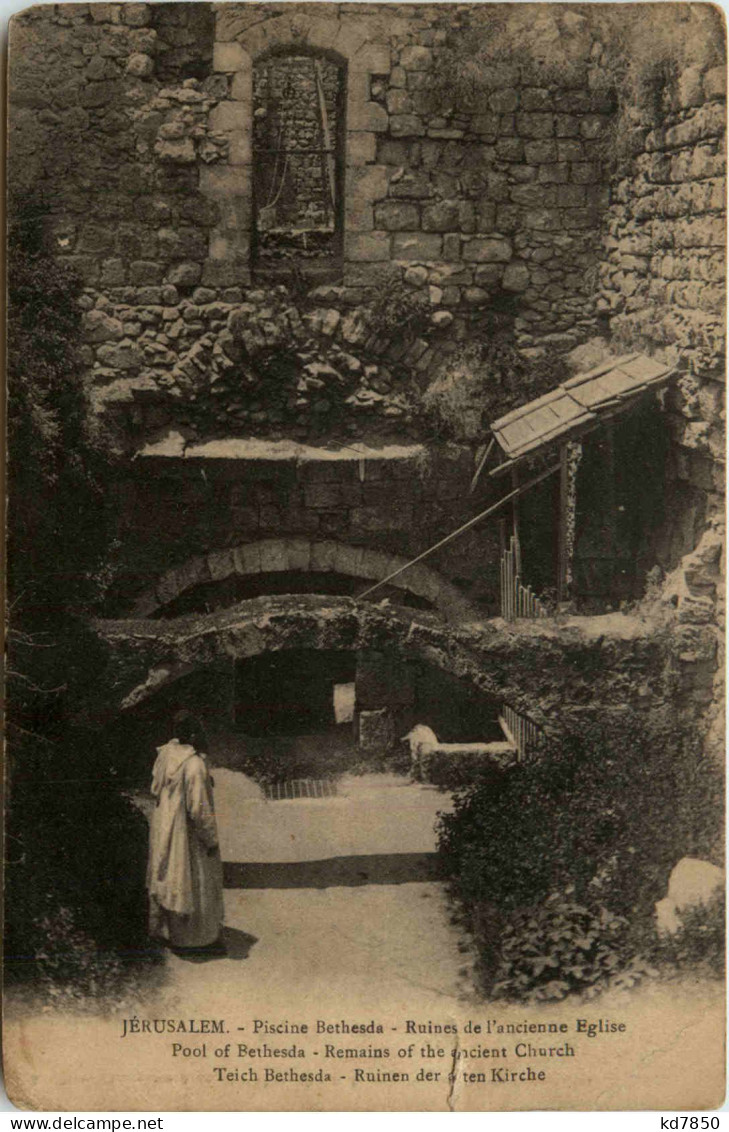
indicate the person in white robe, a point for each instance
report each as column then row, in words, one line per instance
column 185, row 874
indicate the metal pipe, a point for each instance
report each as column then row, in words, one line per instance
column 461, row 530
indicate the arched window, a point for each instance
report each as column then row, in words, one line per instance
column 298, row 166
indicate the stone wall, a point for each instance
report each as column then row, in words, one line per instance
column 173, row 511
column 505, row 197
column 662, row 281
column 662, row 290
column 137, row 120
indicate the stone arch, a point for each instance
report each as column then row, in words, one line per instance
column 228, row 183
column 282, row 555
column 147, row 656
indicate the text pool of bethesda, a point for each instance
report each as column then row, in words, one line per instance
column 449, row 1044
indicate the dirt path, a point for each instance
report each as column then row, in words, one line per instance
column 334, row 916
column 333, row 899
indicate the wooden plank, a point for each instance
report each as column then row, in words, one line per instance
column 514, row 414
column 597, row 371
column 643, row 368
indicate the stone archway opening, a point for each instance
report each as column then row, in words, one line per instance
column 298, row 712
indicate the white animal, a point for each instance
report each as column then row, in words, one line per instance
column 423, row 741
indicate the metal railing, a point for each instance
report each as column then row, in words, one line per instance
column 518, row 600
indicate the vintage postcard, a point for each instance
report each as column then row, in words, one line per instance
column 366, row 526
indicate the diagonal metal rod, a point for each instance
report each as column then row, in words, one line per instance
column 466, row 526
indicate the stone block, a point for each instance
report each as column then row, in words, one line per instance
column 508, row 218
column 369, row 247
column 136, row 15
column 535, row 125
column 184, row 274
column 417, row 246
column 489, row 274
column 274, row 559
column 543, row 219
column 230, row 117
column 220, row 564
column 689, row 88
column 350, row 36
column 367, row 184
column 220, row 180
column 441, row 217
column 361, row 148
column 299, row 553
column 584, row 172
column 572, row 196
column 366, row 116
column 540, row 152
column 359, row 216
column 98, row 326
column 416, row 58
column 516, row 277
column 715, row 83
column 124, row 355
column 553, row 174
column 487, row 250
column 593, row 126
column 229, row 57
column 510, row 149
column 475, row 296
column 410, row 185
column 113, row 273
column 142, row 272
column 399, row 101
column 397, row 216
column 530, row 196
column 570, row 150
column 452, row 246
column 504, row 101
column 348, row 560
column 374, row 58
column 566, row 126
column 140, row 66
column 406, row 125
column 323, row 556
column 241, row 87
column 247, row 559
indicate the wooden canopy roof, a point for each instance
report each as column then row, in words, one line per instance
column 578, row 404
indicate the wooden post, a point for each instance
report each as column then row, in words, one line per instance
column 563, row 535
column 515, row 520
column 326, row 134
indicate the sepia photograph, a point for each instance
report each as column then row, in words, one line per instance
column 365, row 587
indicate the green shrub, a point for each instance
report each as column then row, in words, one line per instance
column 76, row 853
column 699, row 943
column 398, row 309
column 561, row 948
column 483, row 379
column 604, row 815
column 609, row 810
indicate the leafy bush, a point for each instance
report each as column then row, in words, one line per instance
column 483, row 379
column 699, row 943
column 609, row 810
column 76, row 853
column 398, row 309
column 604, row 815
column 561, row 948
